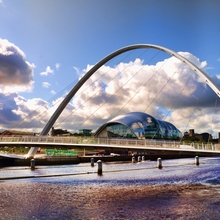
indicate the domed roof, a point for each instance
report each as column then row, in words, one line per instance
column 143, row 124
column 130, row 118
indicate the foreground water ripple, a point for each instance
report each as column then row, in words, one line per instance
column 180, row 190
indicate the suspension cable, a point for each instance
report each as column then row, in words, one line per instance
column 100, row 90
column 113, row 93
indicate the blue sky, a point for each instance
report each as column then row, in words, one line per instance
column 59, row 38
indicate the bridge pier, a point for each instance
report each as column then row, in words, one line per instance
column 159, row 163
column 133, row 159
column 32, row 164
column 92, row 162
column 197, row 160
column 99, row 171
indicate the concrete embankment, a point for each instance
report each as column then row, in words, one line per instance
column 60, row 160
column 38, row 161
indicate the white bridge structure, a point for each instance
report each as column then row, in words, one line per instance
column 36, row 142
column 143, row 145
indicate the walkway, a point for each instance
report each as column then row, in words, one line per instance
column 109, row 144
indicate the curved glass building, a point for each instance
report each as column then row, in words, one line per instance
column 138, row 125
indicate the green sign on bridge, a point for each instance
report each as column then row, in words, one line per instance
column 54, row 152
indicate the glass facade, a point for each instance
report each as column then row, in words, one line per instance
column 119, row 131
column 138, row 125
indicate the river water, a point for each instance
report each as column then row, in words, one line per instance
column 180, row 190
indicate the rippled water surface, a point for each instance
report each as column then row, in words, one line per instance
column 123, row 191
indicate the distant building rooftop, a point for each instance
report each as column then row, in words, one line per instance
column 85, row 132
column 56, row 132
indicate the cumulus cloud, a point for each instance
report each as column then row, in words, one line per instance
column 7, row 117
column 16, row 73
column 46, row 84
column 47, row 71
column 168, row 90
column 16, row 112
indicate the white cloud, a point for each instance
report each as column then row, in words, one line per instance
column 150, row 91
column 77, row 70
column 57, row 65
column 18, row 113
column 46, row 84
column 16, row 73
column 209, row 68
column 53, row 92
column 218, row 60
column 168, row 90
column 47, row 71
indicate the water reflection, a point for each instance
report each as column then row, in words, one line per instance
column 173, row 172
column 181, row 190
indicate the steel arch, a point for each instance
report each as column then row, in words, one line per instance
column 74, row 90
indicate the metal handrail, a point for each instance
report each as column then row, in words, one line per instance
column 107, row 141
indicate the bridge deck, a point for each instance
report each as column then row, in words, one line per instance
column 111, row 144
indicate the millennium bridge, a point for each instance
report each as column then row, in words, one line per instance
column 148, row 146
column 144, row 146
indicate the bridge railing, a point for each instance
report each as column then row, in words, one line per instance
column 135, row 142
column 83, row 140
column 89, row 140
column 105, row 141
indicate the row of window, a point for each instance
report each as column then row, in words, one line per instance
column 161, row 130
